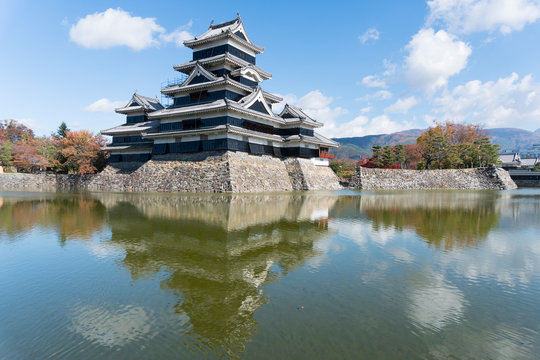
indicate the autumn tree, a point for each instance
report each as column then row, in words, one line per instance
column 452, row 145
column 14, row 132
column 18, row 147
column 27, row 158
column 343, row 168
column 79, row 152
column 413, row 155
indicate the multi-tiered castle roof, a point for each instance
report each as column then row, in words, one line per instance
column 219, row 106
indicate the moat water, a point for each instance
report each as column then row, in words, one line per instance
column 352, row 275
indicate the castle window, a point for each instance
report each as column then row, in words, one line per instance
column 198, row 96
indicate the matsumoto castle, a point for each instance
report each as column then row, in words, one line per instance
column 220, row 106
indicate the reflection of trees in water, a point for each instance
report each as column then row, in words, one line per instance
column 217, row 265
column 446, row 220
column 73, row 216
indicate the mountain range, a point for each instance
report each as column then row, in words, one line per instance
column 509, row 139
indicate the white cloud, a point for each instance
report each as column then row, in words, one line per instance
column 314, row 100
column 379, row 95
column 507, row 102
column 402, row 106
column 104, row 105
column 179, row 35
column 373, row 81
column 370, row 34
column 317, row 105
column 390, row 68
column 467, row 16
column 363, row 125
column 116, row 27
column 365, row 110
column 433, row 58
column 287, row 99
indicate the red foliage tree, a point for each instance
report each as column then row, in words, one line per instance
column 26, row 157
column 80, row 152
column 14, row 132
column 413, row 154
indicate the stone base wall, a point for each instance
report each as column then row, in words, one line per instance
column 28, row 182
column 461, row 179
column 225, row 171
column 313, row 177
column 250, row 173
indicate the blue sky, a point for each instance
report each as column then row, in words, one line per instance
column 361, row 67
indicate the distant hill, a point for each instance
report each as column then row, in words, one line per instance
column 510, row 139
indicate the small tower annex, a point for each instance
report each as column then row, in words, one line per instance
column 221, row 106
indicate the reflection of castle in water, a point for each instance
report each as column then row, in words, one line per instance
column 218, row 250
column 446, row 220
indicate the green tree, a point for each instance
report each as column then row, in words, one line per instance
column 468, row 155
column 387, row 156
column 488, row 154
column 6, row 153
column 438, row 148
column 399, row 154
column 377, row 155
column 62, row 130
column 452, row 158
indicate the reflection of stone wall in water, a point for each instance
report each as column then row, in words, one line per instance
column 446, row 220
column 202, row 172
column 462, row 179
column 216, row 268
column 232, row 212
column 76, row 217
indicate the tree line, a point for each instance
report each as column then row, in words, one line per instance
column 447, row 145
column 65, row 151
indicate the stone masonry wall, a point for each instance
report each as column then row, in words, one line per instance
column 296, row 177
column 250, row 173
column 318, row 177
column 28, row 182
column 462, row 179
column 202, row 172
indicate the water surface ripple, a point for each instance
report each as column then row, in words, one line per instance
column 364, row 275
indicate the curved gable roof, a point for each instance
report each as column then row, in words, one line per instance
column 197, row 72
column 256, row 101
column 140, row 103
